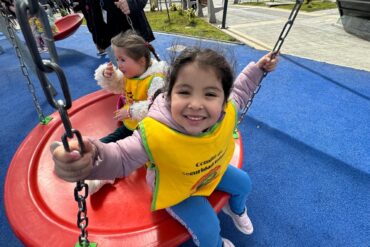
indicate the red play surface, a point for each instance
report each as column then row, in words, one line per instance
column 41, row 208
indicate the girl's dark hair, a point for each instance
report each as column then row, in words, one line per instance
column 136, row 47
column 206, row 58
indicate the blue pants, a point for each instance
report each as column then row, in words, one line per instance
column 198, row 216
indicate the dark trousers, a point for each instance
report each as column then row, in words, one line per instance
column 92, row 12
column 120, row 133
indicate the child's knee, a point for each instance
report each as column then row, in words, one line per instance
column 241, row 181
column 247, row 184
column 208, row 233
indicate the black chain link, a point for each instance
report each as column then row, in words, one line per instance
column 12, row 36
column 32, row 7
column 80, row 192
column 288, row 25
column 129, row 21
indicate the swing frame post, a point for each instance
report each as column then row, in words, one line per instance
column 224, row 15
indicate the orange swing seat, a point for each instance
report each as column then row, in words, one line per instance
column 41, row 208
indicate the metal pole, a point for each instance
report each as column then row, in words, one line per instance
column 224, row 15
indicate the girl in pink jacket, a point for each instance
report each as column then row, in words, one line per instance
column 187, row 138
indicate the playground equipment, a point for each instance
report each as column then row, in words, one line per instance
column 67, row 25
column 119, row 214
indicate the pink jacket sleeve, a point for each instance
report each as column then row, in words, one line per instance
column 245, row 84
column 119, row 159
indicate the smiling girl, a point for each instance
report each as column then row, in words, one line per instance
column 197, row 114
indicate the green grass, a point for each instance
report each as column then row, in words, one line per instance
column 313, row 6
column 179, row 24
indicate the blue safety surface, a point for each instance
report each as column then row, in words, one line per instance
column 306, row 141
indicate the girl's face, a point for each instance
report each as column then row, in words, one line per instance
column 197, row 98
column 128, row 66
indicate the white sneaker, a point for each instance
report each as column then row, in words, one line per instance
column 95, row 185
column 242, row 222
column 227, row 243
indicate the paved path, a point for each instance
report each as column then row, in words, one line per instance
column 318, row 36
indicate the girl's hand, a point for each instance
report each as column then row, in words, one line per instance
column 123, row 6
column 109, row 70
column 266, row 63
column 72, row 166
column 121, row 114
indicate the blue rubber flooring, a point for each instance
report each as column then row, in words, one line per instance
column 306, row 141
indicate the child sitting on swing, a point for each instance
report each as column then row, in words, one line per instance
column 38, row 31
column 137, row 78
column 198, row 113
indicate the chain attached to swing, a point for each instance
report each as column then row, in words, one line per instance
column 12, row 36
column 33, row 8
column 152, row 50
column 129, row 21
column 283, row 34
column 82, row 219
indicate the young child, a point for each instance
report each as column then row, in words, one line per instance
column 137, row 78
column 38, row 33
column 198, row 113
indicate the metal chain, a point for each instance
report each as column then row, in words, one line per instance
column 152, row 50
column 24, row 69
column 129, row 21
column 32, row 8
column 288, row 25
column 82, row 219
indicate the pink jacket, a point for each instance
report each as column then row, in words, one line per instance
column 114, row 160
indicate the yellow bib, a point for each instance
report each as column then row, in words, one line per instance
column 187, row 165
column 136, row 89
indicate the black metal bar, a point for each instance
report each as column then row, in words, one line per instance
column 224, row 15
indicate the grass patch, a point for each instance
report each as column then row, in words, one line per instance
column 258, row 3
column 311, row 7
column 180, row 24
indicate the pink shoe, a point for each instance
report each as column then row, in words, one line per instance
column 227, row 243
column 242, row 222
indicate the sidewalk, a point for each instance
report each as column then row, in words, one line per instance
column 317, row 36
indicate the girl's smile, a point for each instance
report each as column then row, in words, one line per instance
column 197, row 99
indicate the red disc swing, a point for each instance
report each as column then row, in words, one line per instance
column 41, row 208
column 67, row 25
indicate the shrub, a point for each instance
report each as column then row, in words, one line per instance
column 173, row 7
column 190, row 13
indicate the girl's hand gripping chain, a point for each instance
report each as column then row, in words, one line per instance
column 268, row 62
column 72, row 166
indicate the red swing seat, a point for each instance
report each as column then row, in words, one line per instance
column 41, row 208
column 67, row 25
